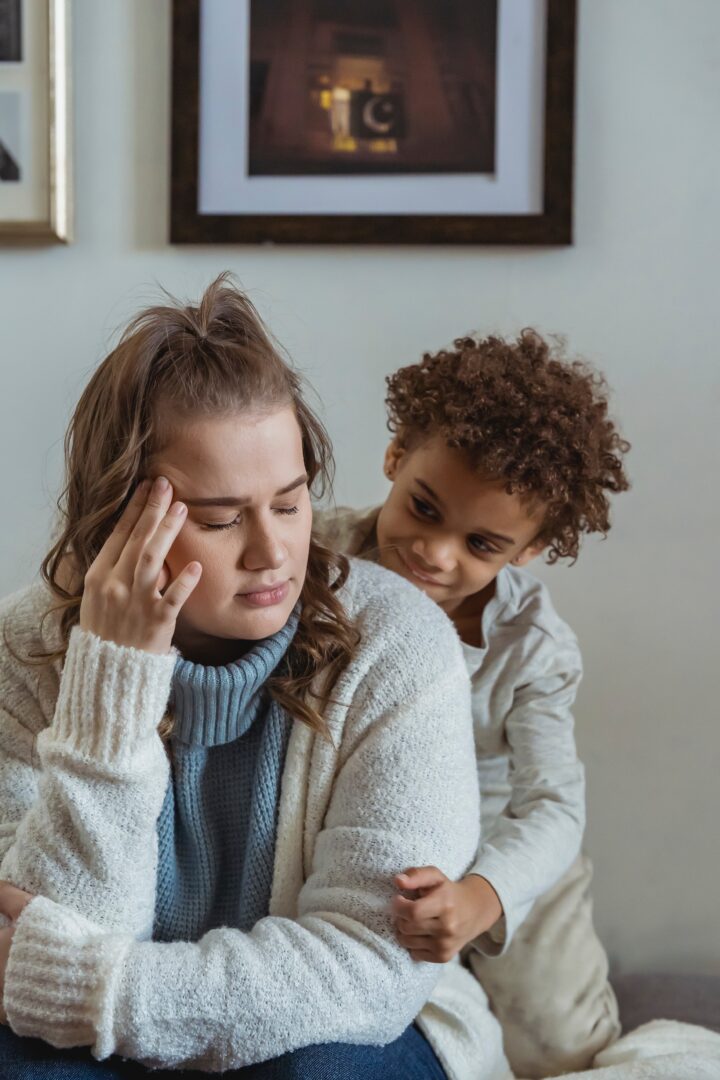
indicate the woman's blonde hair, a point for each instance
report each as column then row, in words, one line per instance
column 173, row 363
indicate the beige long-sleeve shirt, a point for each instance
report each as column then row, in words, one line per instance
column 524, row 680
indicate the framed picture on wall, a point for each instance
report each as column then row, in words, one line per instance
column 35, row 187
column 373, row 121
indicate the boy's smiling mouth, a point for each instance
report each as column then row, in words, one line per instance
column 416, row 571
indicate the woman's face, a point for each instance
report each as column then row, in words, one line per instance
column 249, row 519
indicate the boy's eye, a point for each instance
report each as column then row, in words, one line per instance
column 478, row 543
column 422, row 507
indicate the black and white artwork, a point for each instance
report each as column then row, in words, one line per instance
column 10, row 170
column 10, row 31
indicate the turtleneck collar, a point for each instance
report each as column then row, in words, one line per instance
column 216, row 705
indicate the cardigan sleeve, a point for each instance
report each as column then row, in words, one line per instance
column 405, row 792
column 531, row 845
column 79, row 801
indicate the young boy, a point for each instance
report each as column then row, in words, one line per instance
column 503, row 450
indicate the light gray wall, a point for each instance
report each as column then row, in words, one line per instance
column 638, row 294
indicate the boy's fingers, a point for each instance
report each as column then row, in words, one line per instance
column 423, row 877
column 416, row 911
column 425, row 956
column 416, row 941
column 428, row 927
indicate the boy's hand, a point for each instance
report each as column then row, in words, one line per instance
column 445, row 915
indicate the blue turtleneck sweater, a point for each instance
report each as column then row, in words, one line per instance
column 216, row 830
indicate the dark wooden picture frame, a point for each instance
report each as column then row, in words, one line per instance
column 553, row 226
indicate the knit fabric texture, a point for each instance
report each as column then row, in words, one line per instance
column 83, row 777
column 216, row 830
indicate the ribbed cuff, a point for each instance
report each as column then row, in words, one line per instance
column 495, row 941
column 55, row 975
column 111, row 696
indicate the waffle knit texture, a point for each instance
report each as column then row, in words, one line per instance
column 216, row 831
column 83, row 776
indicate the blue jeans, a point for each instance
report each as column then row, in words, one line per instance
column 408, row 1058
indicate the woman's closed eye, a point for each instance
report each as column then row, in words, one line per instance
column 285, row 510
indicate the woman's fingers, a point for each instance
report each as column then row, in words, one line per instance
column 12, row 900
column 155, row 509
column 133, row 602
column 150, row 560
column 112, row 548
column 177, row 593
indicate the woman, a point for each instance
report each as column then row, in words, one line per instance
column 221, row 745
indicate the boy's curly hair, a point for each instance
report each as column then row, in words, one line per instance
column 525, row 414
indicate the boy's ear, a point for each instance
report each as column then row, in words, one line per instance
column 393, row 455
column 528, row 553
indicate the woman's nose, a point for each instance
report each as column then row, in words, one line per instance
column 263, row 550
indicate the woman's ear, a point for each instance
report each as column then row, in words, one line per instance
column 393, row 455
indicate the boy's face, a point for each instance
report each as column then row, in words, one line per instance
column 446, row 529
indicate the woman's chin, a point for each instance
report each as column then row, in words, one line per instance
column 260, row 621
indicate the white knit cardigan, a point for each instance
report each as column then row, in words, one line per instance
column 82, row 779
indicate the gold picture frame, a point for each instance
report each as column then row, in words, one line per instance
column 38, row 76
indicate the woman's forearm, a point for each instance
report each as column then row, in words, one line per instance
column 229, row 1000
column 87, row 838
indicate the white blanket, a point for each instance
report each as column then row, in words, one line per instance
column 660, row 1050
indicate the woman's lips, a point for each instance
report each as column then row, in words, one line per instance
column 266, row 597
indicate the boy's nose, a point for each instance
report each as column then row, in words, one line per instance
column 436, row 554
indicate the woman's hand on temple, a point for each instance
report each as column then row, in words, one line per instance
column 122, row 599
column 12, row 903
column 445, row 915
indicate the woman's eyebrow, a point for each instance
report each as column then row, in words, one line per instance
column 242, row 500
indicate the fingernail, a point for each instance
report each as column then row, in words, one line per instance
column 161, row 484
column 178, row 508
